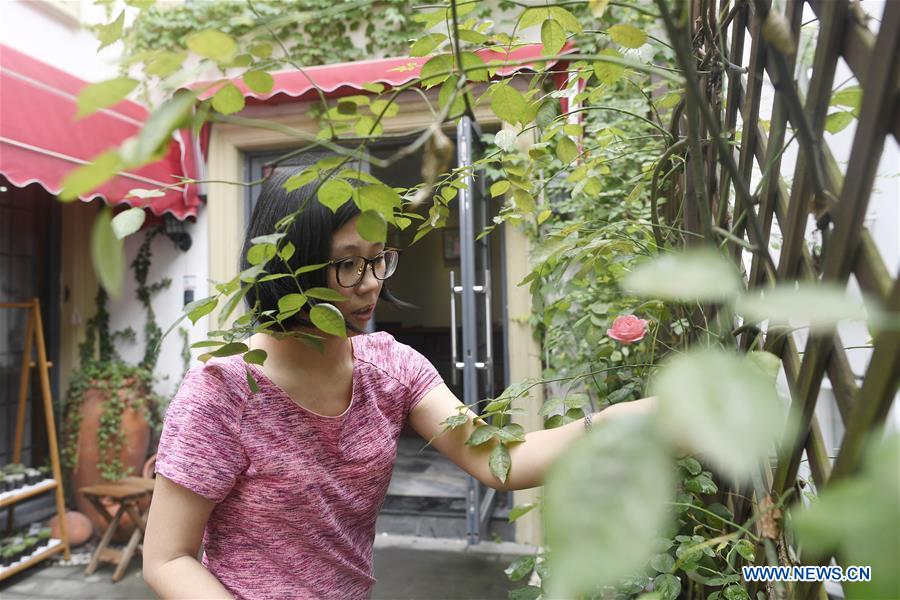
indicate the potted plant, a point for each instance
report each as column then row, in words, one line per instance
column 111, row 409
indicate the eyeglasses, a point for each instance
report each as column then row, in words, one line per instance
column 350, row 270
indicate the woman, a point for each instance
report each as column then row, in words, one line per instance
column 283, row 485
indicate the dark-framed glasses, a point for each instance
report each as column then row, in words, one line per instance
column 350, row 270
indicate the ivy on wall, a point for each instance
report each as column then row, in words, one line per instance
column 385, row 26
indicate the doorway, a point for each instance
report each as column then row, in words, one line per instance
column 428, row 494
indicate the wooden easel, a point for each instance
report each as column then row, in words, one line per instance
column 34, row 334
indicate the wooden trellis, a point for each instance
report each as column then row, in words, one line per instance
column 721, row 85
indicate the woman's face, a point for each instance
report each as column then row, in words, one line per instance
column 359, row 306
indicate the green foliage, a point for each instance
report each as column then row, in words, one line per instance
column 300, row 24
column 121, row 385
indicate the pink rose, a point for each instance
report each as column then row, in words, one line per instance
column 628, row 329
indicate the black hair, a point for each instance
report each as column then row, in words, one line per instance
column 311, row 234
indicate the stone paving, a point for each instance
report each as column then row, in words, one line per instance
column 405, row 567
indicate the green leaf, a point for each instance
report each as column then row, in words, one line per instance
column 256, row 357
column 566, row 150
column 230, row 349
column 474, row 66
column 299, row 180
column 546, row 112
column 436, row 70
column 95, row 96
column 838, row 121
column 290, row 304
column 622, row 467
column 553, row 37
column 455, row 421
column 736, row 592
column 662, row 563
column 426, row 44
column 567, row 20
column 767, row 363
column 386, row 108
column 334, row 193
column 500, row 462
column 745, row 549
column 251, row 381
column 533, row 16
column 372, row 226
column 207, row 344
column 228, row 99
column 107, row 253
column 375, row 88
column 523, row 201
column 202, row 308
column 287, row 251
column 820, row 306
column 380, row 198
column 733, row 418
column 482, row 434
column 520, row 567
column 509, row 104
column 696, row 275
column 128, row 221
column 512, row 433
column 263, row 50
column 260, row 254
column 627, row 35
column 111, row 32
column 519, row 511
column 87, row 178
column 667, row 586
column 851, row 97
column 323, row 293
column 607, row 72
column 701, row 484
column 498, row 188
column 529, row 592
column 157, row 129
column 233, row 303
column 164, row 63
column 691, row 465
column 213, row 44
column 259, row 81
column 328, row 319
column 366, row 127
column 598, row 7
column 271, row 238
column 472, row 36
column 310, row 268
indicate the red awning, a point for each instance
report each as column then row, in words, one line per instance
column 344, row 79
column 41, row 140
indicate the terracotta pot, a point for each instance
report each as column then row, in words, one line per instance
column 135, row 433
column 78, row 528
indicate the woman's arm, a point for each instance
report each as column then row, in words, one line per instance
column 174, row 533
column 530, row 459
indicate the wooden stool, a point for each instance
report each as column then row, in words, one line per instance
column 127, row 492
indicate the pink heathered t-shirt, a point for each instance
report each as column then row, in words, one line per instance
column 296, row 493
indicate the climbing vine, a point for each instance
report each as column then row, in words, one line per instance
column 122, row 385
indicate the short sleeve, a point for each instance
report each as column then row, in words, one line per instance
column 200, row 448
column 416, row 373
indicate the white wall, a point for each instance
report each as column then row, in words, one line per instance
column 167, row 261
column 49, row 31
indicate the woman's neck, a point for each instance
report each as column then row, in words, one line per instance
column 292, row 353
